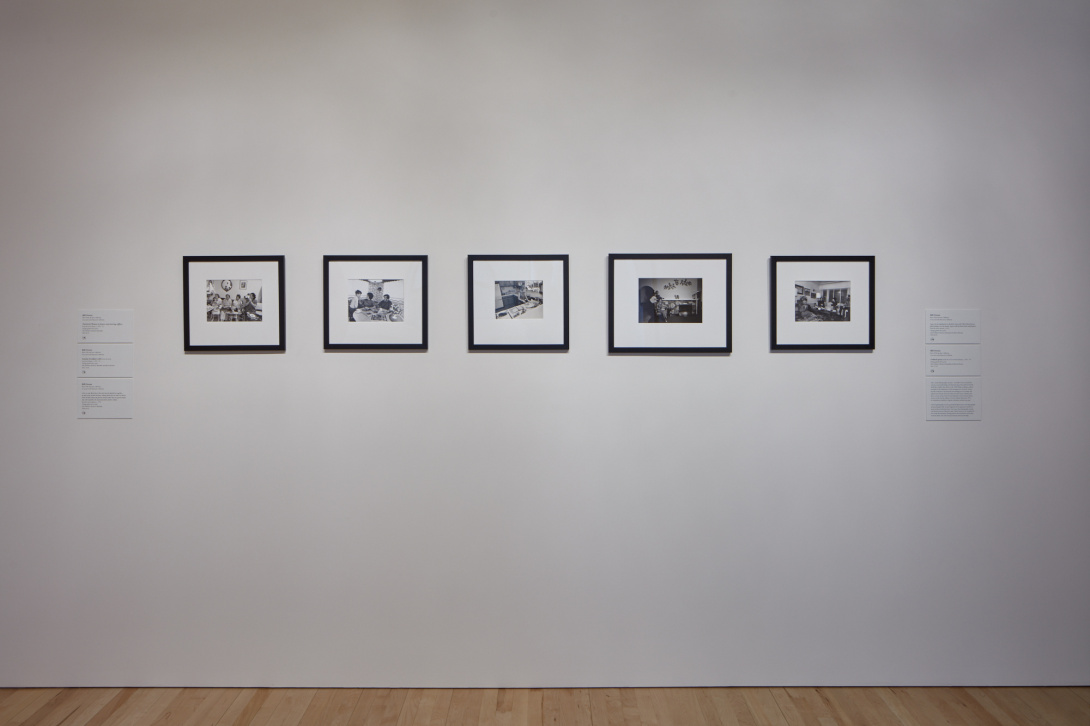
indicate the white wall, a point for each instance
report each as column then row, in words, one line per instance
column 947, row 139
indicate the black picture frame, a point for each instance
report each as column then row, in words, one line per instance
column 397, row 320
column 637, row 301
column 834, row 311
column 531, row 315
column 242, row 326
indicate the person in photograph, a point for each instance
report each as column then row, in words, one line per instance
column 662, row 308
column 249, row 310
column 354, row 304
column 364, row 307
column 647, row 308
column 654, row 301
column 385, row 303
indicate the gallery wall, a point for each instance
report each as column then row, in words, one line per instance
column 315, row 518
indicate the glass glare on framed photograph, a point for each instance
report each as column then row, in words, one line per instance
column 245, row 306
column 371, row 301
column 522, row 299
column 670, row 300
column 821, row 301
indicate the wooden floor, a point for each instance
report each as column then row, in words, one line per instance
column 576, row 706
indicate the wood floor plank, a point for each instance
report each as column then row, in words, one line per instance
column 844, row 710
column 958, row 703
column 71, row 706
column 108, row 709
column 243, row 709
column 566, row 706
column 581, row 700
column 1068, row 706
column 645, row 707
column 407, row 715
column 971, row 708
column 708, row 711
column 704, row 708
column 317, row 707
column 343, row 704
column 535, row 704
column 662, row 713
column 181, row 707
column 677, row 707
column 143, row 707
column 486, row 715
column 995, row 706
column 24, row 703
column 292, row 707
column 946, row 705
column 505, row 708
column 440, row 707
column 365, row 703
column 904, row 714
column 1071, row 697
column 912, row 710
column 425, row 707
column 272, row 702
column 22, row 698
column 465, row 707
column 1054, row 705
column 55, row 709
column 512, row 707
column 630, row 707
column 386, row 708
column 984, row 698
column 762, row 705
column 334, row 706
column 212, row 708
column 804, row 706
column 606, row 708
column 731, row 707
column 79, row 711
column 128, row 702
column 859, row 707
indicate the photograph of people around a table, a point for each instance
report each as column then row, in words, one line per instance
column 670, row 299
column 519, row 299
column 233, row 301
column 819, row 301
column 376, row 301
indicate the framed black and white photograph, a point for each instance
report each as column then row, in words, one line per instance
column 822, row 303
column 677, row 303
column 233, row 303
column 376, row 302
column 518, row 302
